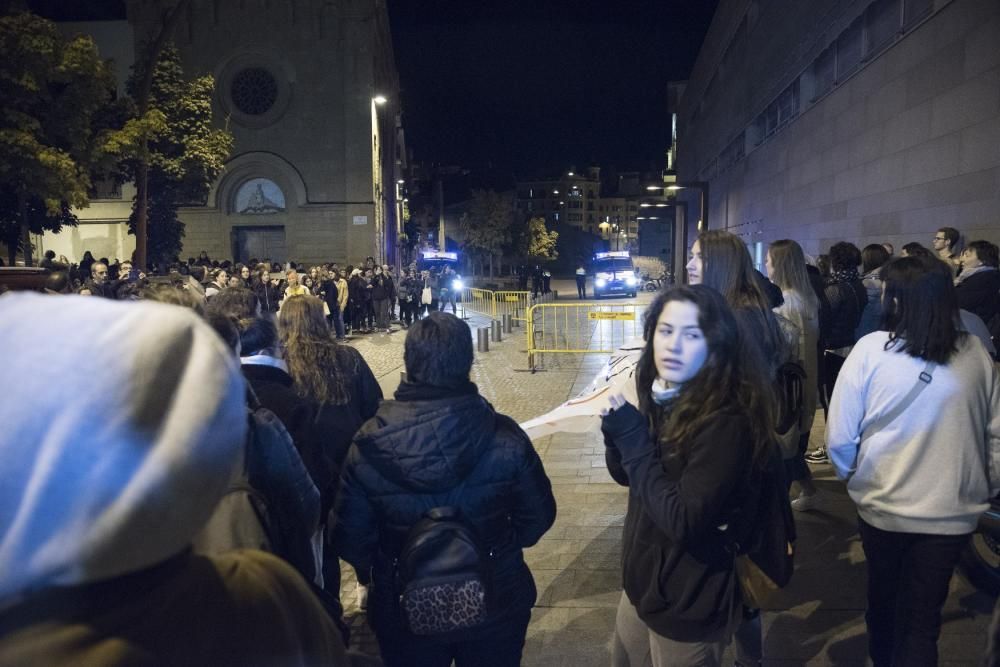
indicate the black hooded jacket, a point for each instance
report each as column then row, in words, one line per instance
column 431, row 448
column 677, row 567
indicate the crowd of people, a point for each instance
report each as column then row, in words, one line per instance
column 171, row 432
column 358, row 299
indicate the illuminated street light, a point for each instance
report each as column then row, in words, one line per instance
column 380, row 99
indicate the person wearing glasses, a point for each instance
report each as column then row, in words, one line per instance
column 946, row 248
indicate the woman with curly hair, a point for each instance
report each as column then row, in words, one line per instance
column 340, row 386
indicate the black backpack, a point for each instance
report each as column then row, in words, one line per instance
column 765, row 552
column 789, row 391
column 443, row 575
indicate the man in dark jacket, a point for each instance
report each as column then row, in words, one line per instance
column 441, row 444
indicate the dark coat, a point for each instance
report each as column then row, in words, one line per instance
column 333, row 426
column 816, row 280
column 443, row 450
column 381, row 287
column 273, row 388
column 410, row 289
column 331, row 295
column 980, row 294
column 676, row 566
column 269, row 296
column 357, row 287
column 847, row 302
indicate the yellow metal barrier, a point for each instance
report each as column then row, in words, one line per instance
column 581, row 328
column 478, row 300
column 513, row 303
column 496, row 304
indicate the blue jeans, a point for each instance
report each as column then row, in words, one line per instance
column 337, row 320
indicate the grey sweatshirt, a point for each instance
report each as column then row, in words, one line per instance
column 934, row 468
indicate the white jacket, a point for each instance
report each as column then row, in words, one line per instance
column 934, row 468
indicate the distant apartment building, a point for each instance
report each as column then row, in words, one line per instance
column 613, row 213
column 865, row 120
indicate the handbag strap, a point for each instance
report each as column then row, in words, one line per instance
column 923, row 380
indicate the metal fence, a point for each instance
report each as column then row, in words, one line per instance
column 580, row 328
column 497, row 304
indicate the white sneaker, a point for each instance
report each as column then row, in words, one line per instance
column 361, row 594
column 806, row 503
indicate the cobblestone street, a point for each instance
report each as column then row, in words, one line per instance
column 817, row 620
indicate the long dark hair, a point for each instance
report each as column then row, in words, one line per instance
column 313, row 355
column 726, row 267
column 920, row 308
column 728, row 380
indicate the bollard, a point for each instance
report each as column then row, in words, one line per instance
column 507, row 320
column 483, row 338
column 516, row 318
column 496, row 334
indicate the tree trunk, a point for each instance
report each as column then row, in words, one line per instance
column 142, row 208
column 22, row 208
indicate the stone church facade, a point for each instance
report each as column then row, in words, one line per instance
column 312, row 174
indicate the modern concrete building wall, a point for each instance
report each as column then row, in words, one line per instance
column 793, row 145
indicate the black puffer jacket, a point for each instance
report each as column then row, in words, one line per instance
column 431, row 448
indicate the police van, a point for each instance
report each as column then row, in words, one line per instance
column 437, row 260
column 614, row 274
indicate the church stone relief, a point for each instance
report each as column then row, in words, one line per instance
column 259, row 196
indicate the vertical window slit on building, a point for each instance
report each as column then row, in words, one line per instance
column 849, row 49
column 883, row 20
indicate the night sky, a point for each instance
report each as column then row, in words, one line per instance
column 528, row 88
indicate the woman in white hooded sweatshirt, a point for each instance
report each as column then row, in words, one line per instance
column 914, row 428
column 120, row 441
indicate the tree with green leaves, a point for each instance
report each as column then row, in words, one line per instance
column 173, row 147
column 488, row 225
column 538, row 242
column 56, row 97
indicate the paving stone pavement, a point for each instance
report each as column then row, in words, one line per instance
column 817, row 620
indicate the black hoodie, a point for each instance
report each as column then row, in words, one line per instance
column 434, row 447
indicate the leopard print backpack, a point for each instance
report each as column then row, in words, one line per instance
column 443, row 575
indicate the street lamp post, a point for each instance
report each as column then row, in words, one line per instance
column 378, row 191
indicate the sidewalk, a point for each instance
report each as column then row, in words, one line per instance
column 818, row 620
